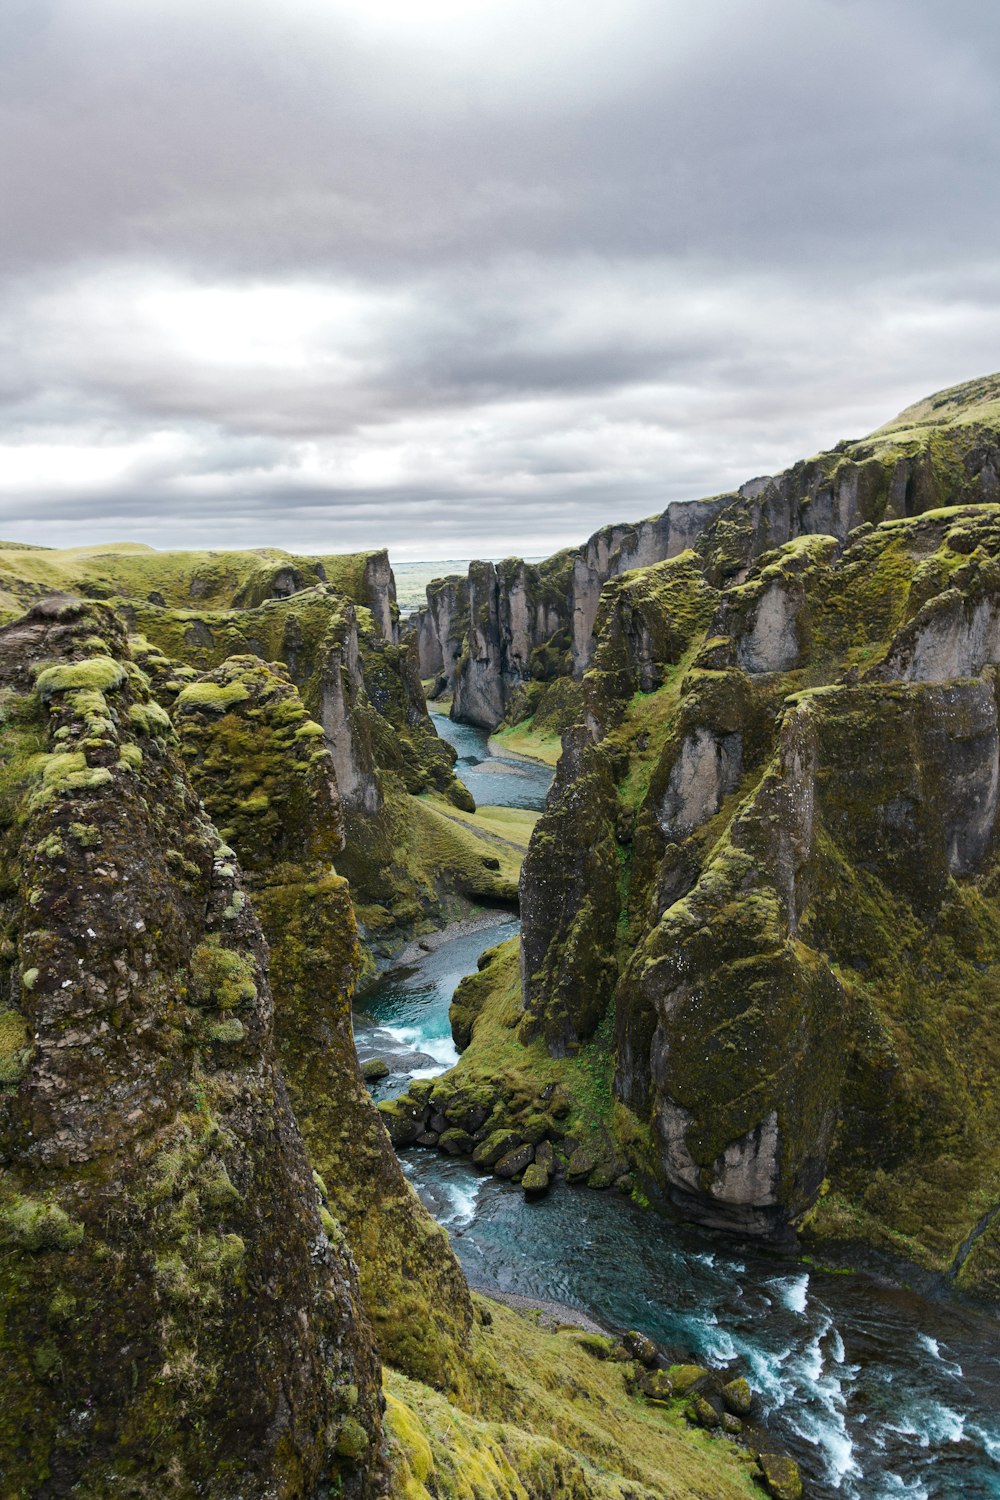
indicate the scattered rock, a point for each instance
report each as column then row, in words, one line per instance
column 686, row 1377
column 535, row 1128
column 545, row 1156
column 515, row 1162
column 403, row 1119
column 641, row 1348
column 656, row 1385
column 374, row 1069
column 738, row 1397
column 603, row 1174
column 473, row 1118
column 535, row 1181
column 455, row 1142
column 703, row 1413
column 731, row 1424
column 781, row 1476
column 496, row 1144
column 411, row 1062
column 428, row 1138
column 579, row 1166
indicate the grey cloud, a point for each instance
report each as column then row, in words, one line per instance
column 645, row 252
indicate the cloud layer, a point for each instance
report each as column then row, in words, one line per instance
column 474, row 276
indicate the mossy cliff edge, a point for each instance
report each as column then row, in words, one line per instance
column 267, row 779
column 760, row 958
column 187, row 1305
column 179, row 1313
column 332, row 622
column 500, row 637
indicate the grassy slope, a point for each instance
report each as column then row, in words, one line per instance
column 203, row 580
column 549, row 1418
column 524, row 739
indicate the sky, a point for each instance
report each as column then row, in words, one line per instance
column 473, row 277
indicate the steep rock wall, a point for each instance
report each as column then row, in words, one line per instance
column 944, row 452
column 799, row 795
column 263, row 771
column 180, row 1311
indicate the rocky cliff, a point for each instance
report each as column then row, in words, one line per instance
column 206, row 1243
column 267, row 779
column 498, row 639
column 332, row 622
column 180, row 1311
column 771, row 856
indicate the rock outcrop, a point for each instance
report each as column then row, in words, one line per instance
column 517, row 623
column 364, row 693
column 267, row 780
column 181, row 1313
column 765, row 890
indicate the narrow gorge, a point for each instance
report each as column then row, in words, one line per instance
column 644, row 899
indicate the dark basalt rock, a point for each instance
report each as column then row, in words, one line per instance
column 738, row 1396
column 535, row 1181
column 641, row 1348
column 514, row 1162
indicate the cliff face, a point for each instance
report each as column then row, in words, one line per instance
column 187, row 1306
column 180, row 1311
column 365, row 693
column 944, row 451
column 267, row 779
column 778, row 812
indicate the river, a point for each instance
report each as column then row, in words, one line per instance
column 880, row 1390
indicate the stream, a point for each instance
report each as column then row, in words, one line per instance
column 878, row 1389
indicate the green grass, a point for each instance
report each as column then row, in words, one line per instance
column 205, row 580
column 524, row 739
column 544, row 1416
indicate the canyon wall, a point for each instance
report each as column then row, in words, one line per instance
column 514, row 624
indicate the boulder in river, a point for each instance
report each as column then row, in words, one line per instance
column 738, row 1396
column 497, row 1144
column 455, row 1142
column 535, row 1181
column 374, row 1069
column 515, row 1162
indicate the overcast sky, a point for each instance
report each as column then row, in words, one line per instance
column 472, row 277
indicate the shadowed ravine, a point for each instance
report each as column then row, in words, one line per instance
column 880, row 1390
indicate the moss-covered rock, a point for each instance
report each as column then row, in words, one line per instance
column 270, row 782
column 165, row 1268
column 781, row 1476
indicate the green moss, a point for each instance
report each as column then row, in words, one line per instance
column 222, row 976
column 97, row 674
column 15, row 1048
column 211, row 697
column 547, row 1419
column 31, row 1224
